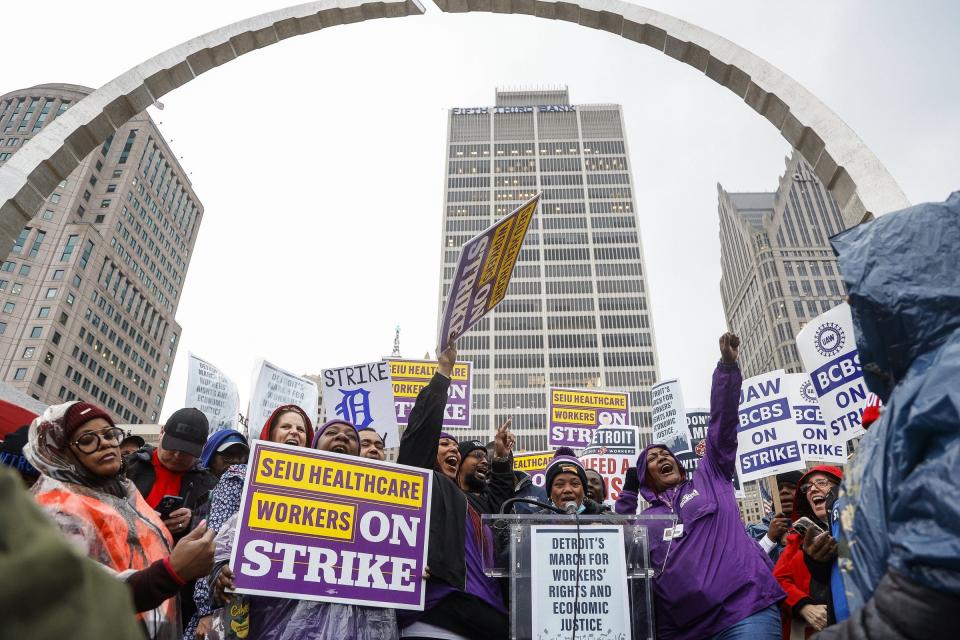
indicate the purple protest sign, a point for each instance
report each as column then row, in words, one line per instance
column 575, row 413
column 315, row 525
column 410, row 376
column 483, row 272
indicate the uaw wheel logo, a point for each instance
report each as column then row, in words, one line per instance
column 807, row 392
column 829, row 339
column 701, row 448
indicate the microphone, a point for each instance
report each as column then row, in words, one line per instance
column 570, row 507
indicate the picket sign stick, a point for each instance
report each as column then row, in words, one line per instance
column 775, row 493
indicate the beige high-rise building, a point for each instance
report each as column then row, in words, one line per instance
column 89, row 293
column 777, row 268
column 778, row 272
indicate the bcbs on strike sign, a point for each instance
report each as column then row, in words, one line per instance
column 830, row 356
column 766, row 431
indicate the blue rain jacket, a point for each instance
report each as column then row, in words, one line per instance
column 900, row 498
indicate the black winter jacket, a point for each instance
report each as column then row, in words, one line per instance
column 195, row 486
column 448, row 505
column 497, row 491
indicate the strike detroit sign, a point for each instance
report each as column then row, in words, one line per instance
column 323, row 526
column 575, row 413
column 483, row 272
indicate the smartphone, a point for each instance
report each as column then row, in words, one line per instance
column 804, row 523
column 168, row 505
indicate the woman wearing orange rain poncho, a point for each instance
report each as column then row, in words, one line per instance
column 75, row 447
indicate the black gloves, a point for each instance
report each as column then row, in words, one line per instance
column 630, row 481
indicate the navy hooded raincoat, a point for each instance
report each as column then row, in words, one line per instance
column 900, row 500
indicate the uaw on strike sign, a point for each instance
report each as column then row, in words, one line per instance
column 323, row 526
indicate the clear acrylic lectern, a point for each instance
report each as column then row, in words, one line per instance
column 513, row 562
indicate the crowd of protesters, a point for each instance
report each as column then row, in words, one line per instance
column 873, row 552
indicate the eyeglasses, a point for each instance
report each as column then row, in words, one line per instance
column 819, row 483
column 90, row 441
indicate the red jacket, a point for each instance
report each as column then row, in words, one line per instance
column 793, row 569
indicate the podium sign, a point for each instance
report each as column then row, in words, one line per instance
column 580, row 577
column 543, row 555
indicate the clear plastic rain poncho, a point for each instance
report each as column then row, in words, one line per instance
column 287, row 619
column 105, row 517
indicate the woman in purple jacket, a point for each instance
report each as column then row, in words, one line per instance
column 713, row 580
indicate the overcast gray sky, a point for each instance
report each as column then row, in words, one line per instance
column 320, row 160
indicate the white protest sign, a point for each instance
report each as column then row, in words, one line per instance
column 362, row 394
column 817, row 443
column 613, row 450
column 213, row 393
column 600, row 607
column 830, row 356
column 766, row 433
column 273, row 387
column 669, row 416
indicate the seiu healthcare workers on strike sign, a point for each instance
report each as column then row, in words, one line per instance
column 714, row 581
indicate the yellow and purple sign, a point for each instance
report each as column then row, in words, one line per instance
column 483, row 272
column 316, row 525
column 410, row 376
column 534, row 464
column 576, row 413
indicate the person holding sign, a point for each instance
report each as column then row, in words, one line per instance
column 715, row 581
column 273, row 618
column 462, row 602
column 288, row 424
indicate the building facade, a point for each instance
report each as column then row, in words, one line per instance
column 89, row 293
column 576, row 313
column 777, row 268
column 777, row 273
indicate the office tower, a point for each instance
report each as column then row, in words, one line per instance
column 576, row 311
column 89, row 293
column 778, row 270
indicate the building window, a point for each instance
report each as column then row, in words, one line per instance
column 111, row 188
column 85, row 256
column 3, row 328
column 8, row 307
column 16, row 289
column 68, row 247
column 24, row 270
column 20, row 374
column 70, row 299
column 41, row 379
column 44, row 312
column 56, row 338
column 28, row 352
column 36, row 332
column 48, row 214
column 55, row 198
column 105, row 203
column 58, row 274
column 48, row 359
column 64, row 318
column 52, row 292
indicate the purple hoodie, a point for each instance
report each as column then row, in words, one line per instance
column 715, row 574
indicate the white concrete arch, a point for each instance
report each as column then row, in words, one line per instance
column 860, row 183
